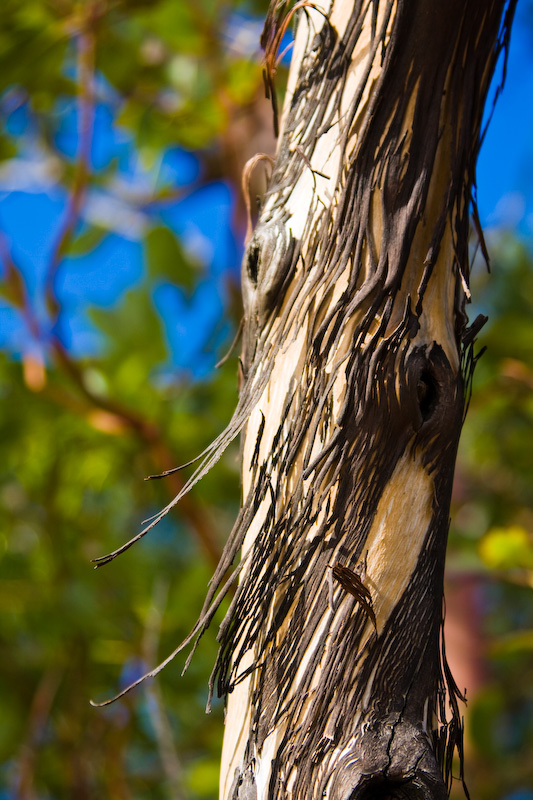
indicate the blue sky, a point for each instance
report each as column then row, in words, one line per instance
column 505, row 165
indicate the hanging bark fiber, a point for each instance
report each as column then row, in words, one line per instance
column 357, row 362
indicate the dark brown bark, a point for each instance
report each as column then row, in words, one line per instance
column 357, row 362
column 367, row 715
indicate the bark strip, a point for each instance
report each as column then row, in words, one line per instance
column 357, row 360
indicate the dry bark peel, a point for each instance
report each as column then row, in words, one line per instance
column 357, row 360
column 357, row 363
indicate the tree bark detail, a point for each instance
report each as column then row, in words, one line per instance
column 357, row 360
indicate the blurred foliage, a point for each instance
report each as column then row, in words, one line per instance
column 71, row 488
column 98, row 93
column 491, row 538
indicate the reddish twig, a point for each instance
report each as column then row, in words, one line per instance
column 15, row 289
column 168, row 753
column 39, row 715
column 86, row 47
column 278, row 19
column 249, row 167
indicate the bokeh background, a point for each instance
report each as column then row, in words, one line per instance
column 125, row 125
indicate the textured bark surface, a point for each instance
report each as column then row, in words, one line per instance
column 357, row 361
column 357, row 358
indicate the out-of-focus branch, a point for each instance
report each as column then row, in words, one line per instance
column 40, row 709
column 86, row 47
column 159, row 451
column 156, row 707
column 14, row 288
column 125, row 418
column 83, row 29
column 249, row 128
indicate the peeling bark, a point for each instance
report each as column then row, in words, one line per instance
column 357, row 360
column 357, row 363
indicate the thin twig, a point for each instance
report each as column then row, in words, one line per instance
column 278, row 19
column 233, row 345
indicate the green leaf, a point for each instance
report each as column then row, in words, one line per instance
column 134, row 333
column 204, row 777
column 8, row 148
column 165, row 258
column 87, row 241
column 513, row 644
column 507, row 548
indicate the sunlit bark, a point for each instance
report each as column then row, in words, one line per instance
column 357, row 359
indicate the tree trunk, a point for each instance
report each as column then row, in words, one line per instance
column 356, row 365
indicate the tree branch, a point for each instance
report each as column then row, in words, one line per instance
column 86, row 47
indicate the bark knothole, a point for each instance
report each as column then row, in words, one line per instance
column 435, row 388
column 268, row 264
column 253, row 256
column 352, row 406
column 428, row 394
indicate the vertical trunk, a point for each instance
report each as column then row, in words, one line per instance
column 357, row 358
